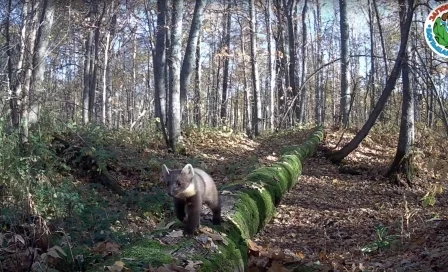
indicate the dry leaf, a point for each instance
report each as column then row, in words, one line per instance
column 176, row 234
column 191, row 264
column 162, row 225
column 254, row 249
column 106, row 247
column 118, row 266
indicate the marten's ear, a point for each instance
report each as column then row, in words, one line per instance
column 165, row 172
column 188, row 170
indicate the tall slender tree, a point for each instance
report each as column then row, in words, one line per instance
column 345, row 64
column 160, row 65
column 190, row 51
column 197, row 86
column 174, row 123
column 289, row 7
column 226, row 57
column 271, row 65
column 402, row 163
column 301, row 111
column 257, row 113
column 41, row 47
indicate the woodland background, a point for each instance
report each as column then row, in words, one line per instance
column 90, row 76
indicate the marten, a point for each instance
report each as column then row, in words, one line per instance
column 190, row 188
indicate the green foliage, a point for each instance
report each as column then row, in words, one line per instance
column 60, row 200
column 153, row 204
column 383, row 240
column 26, row 167
column 429, row 199
column 148, row 251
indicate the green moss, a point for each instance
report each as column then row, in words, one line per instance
column 257, row 197
column 285, row 169
column 268, row 175
column 246, row 215
column 228, row 259
column 148, row 251
column 265, row 204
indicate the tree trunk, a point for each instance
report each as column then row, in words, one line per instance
column 107, row 87
column 226, row 66
column 383, row 47
column 33, row 24
column 11, row 81
column 301, row 112
column 257, row 116
column 175, row 67
column 289, row 6
column 16, row 93
column 372, row 58
column 43, row 36
column 271, row 66
column 197, row 86
column 320, row 102
column 390, row 85
column 106, row 68
column 160, row 66
column 345, row 64
column 94, row 62
column 247, row 122
column 402, row 163
column 431, row 108
column 133, row 89
column 87, row 68
column 190, row 51
column 282, row 95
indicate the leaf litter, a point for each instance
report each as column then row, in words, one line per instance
column 331, row 219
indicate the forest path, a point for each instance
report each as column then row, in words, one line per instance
column 331, row 217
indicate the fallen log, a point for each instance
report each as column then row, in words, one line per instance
column 248, row 205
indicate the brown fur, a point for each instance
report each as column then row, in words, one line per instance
column 190, row 188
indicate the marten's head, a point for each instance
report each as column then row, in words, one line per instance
column 179, row 182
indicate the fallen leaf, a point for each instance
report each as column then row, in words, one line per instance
column 162, row 225
column 176, row 234
column 106, row 247
column 191, row 264
column 118, row 266
column 254, row 249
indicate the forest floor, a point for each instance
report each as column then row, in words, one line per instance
column 330, row 220
column 360, row 221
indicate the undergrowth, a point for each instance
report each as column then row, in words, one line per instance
column 45, row 208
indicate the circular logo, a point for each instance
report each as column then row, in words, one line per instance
column 436, row 30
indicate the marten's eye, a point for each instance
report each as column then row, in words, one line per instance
column 178, row 183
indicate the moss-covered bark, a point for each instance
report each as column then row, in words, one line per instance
column 247, row 207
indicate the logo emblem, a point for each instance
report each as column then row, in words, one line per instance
column 436, row 30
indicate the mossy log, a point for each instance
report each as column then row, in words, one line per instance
column 247, row 207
